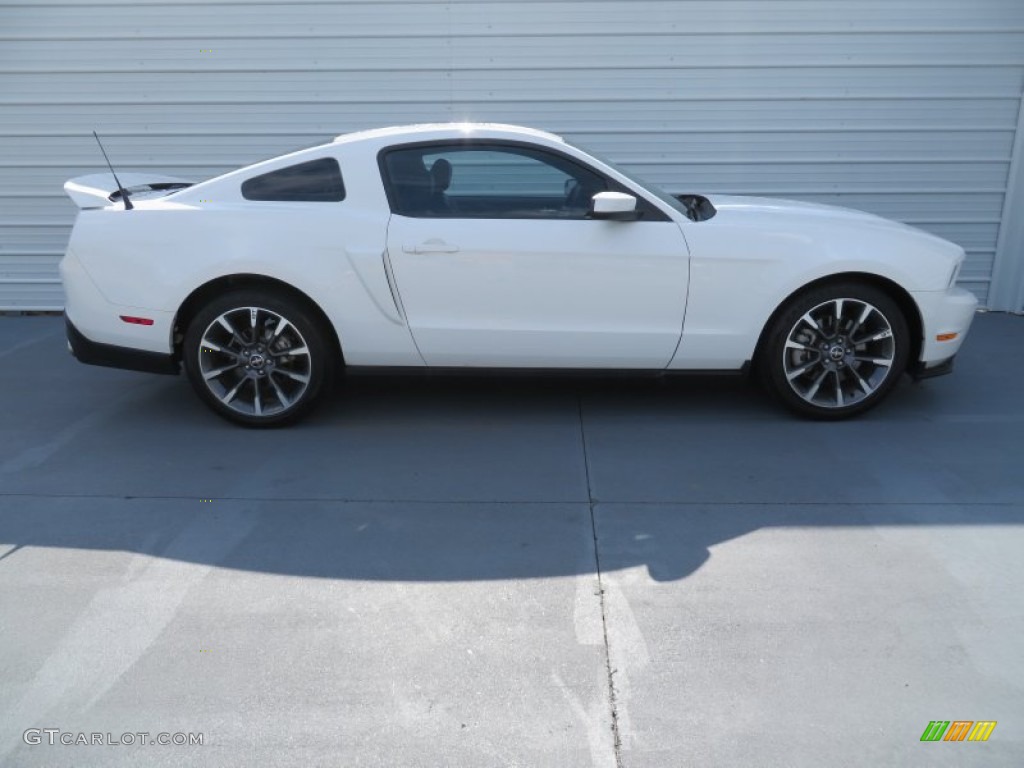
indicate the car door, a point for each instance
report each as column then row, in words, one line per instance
column 497, row 263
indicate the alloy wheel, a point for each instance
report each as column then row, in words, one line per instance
column 839, row 353
column 255, row 361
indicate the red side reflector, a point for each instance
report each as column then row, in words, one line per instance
column 136, row 320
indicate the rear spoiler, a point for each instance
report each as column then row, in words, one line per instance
column 99, row 190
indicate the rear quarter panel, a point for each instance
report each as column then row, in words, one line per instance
column 157, row 254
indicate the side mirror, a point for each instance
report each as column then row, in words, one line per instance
column 615, row 206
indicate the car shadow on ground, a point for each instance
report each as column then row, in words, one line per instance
column 438, row 542
column 493, row 477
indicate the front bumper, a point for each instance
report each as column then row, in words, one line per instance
column 111, row 356
column 918, row 371
column 946, row 317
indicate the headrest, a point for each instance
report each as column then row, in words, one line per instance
column 440, row 175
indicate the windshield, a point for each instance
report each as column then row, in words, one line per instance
column 654, row 189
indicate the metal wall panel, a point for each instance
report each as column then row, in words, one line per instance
column 908, row 108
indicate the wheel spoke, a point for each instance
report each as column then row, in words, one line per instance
column 226, row 325
column 860, row 380
column 218, row 371
column 884, row 334
column 811, row 321
column 839, row 390
column 796, row 372
column 281, row 325
column 281, row 397
column 790, row 344
column 257, row 406
column 231, row 395
column 860, row 320
column 813, row 390
column 292, row 375
column 874, row 360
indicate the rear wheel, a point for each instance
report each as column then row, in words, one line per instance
column 836, row 350
column 256, row 358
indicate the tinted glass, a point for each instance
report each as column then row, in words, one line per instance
column 654, row 189
column 315, row 181
column 494, row 182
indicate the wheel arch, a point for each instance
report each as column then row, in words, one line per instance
column 894, row 290
column 212, row 288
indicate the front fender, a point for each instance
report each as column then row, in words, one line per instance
column 745, row 263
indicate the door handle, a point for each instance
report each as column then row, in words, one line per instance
column 434, row 245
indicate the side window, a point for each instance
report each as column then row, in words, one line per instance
column 488, row 182
column 315, row 181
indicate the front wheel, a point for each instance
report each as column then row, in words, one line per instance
column 256, row 359
column 836, row 350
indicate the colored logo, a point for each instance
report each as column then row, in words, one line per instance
column 958, row 730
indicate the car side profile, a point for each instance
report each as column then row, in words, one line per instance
column 492, row 246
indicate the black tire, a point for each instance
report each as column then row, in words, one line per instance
column 835, row 350
column 258, row 358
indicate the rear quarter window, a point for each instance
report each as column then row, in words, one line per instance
column 315, row 181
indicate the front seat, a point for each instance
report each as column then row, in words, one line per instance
column 440, row 180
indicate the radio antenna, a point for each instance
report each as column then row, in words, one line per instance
column 124, row 194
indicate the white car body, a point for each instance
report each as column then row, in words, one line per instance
column 402, row 291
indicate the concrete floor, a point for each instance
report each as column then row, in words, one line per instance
column 522, row 572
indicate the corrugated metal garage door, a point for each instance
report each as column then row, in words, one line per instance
column 909, row 108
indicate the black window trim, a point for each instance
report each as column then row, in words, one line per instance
column 652, row 212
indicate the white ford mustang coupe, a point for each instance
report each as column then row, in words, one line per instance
column 493, row 246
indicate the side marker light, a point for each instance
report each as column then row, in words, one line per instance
column 137, row 320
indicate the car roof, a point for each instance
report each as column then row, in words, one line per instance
column 447, row 130
column 376, row 138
